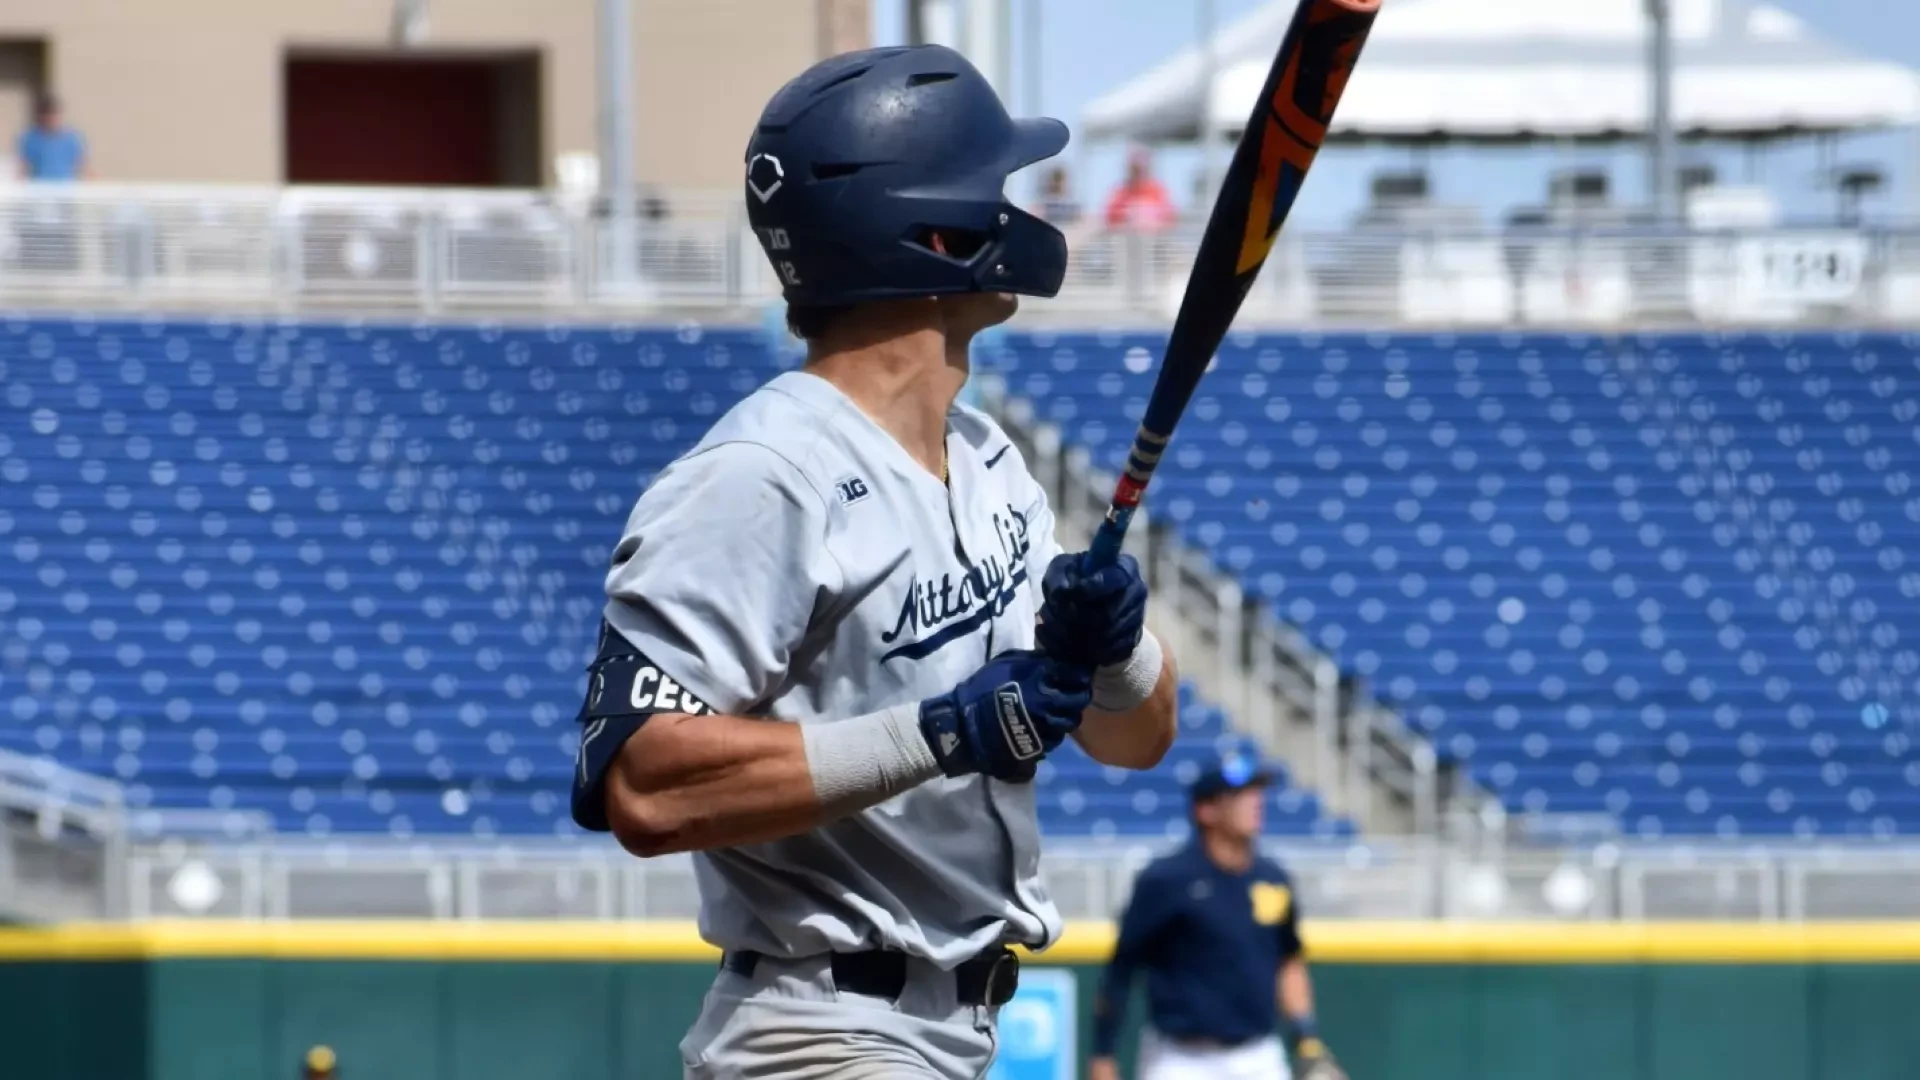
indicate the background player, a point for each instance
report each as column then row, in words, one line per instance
column 1217, row 929
column 851, row 550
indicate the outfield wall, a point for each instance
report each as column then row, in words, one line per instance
column 485, row 1001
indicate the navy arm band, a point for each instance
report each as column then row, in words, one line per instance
column 624, row 690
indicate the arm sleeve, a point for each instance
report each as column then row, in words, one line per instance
column 624, row 689
column 712, row 588
column 1289, row 929
column 1149, row 911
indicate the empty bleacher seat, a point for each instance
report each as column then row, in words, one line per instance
column 349, row 575
column 1665, row 577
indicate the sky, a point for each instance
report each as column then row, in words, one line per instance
column 1089, row 47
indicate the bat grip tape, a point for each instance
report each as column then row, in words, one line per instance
column 1107, row 542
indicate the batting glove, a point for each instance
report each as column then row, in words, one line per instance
column 1313, row 1061
column 1004, row 718
column 1091, row 617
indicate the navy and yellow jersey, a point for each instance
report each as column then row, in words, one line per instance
column 1211, row 942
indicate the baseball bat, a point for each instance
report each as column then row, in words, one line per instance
column 1283, row 136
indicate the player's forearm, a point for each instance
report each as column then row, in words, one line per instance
column 688, row 783
column 1296, row 990
column 1138, row 737
column 1110, row 1007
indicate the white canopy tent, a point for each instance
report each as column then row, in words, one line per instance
column 1467, row 70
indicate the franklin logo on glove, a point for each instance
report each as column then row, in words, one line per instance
column 1008, row 715
column 1014, row 720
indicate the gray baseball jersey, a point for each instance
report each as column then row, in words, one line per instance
column 799, row 565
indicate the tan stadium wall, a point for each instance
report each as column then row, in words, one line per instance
column 189, row 90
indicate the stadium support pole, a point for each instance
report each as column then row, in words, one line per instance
column 1206, row 29
column 933, row 22
column 1660, row 138
column 1033, row 58
column 984, row 41
column 1912, row 216
column 616, row 137
column 1003, row 48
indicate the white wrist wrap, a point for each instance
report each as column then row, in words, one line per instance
column 867, row 760
column 1123, row 686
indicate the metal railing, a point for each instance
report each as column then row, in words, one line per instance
column 67, row 851
column 62, row 847
column 451, row 250
column 366, row 879
column 1356, row 753
column 65, row 837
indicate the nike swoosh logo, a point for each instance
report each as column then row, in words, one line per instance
column 995, row 459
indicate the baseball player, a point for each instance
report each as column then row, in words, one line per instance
column 840, row 634
column 1217, row 929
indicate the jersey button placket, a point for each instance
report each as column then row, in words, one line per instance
column 956, row 510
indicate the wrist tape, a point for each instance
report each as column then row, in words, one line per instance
column 867, row 760
column 1123, row 686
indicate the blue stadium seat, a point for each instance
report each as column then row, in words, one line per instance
column 349, row 575
column 1664, row 577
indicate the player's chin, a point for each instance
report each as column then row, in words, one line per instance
column 970, row 313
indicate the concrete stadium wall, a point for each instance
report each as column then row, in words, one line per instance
column 488, row 1002
column 190, row 90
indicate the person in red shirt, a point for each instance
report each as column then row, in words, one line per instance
column 1140, row 202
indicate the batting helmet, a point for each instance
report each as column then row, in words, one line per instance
column 860, row 162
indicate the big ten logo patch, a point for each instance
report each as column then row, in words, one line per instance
column 851, row 490
column 1271, row 903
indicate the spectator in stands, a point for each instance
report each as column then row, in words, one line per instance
column 1140, row 202
column 1057, row 204
column 49, row 149
column 320, row 1064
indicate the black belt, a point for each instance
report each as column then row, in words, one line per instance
column 988, row 979
column 1208, row 1042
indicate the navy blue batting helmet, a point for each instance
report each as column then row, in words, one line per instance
column 862, row 160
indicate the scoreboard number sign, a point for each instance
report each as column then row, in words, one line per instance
column 1802, row 268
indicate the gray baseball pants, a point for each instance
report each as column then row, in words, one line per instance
column 788, row 1021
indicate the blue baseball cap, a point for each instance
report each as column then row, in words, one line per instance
column 1235, row 771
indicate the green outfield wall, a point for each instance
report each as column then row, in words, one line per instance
column 514, row 1002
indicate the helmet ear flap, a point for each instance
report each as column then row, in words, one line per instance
column 1029, row 256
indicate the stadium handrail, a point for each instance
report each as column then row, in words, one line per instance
column 42, row 788
column 1357, row 753
column 549, row 254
